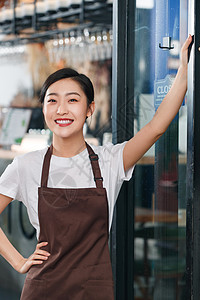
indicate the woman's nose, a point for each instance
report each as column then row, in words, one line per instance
column 62, row 109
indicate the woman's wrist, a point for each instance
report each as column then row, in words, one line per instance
column 18, row 263
column 182, row 72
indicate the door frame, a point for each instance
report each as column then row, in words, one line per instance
column 193, row 158
column 122, row 232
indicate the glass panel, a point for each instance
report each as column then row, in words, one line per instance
column 160, row 203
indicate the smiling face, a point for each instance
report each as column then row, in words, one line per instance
column 65, row 109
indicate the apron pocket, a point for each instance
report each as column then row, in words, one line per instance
column 33, row 289
column 99, row 290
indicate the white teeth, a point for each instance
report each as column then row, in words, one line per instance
column 63, row 121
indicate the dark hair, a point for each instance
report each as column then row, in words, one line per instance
column 84, row 82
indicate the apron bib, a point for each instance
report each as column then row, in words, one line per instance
column 74, row 222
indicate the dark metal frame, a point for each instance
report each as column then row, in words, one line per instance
column 122, row 234
column 193, row 161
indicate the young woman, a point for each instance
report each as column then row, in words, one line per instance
column 70, row 189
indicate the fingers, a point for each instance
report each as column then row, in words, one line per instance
column 42, row 252
column 39, row 256
column 42, row 256
column 42, row 244
column 28, row 263
column 185, row 50
column 39, row 253
column 187, row 43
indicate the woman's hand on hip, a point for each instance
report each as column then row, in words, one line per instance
column 37, row 258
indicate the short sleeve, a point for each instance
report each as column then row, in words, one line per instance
column 9, row 181
column 112, row 167
column 122, row 175
column 116, row 162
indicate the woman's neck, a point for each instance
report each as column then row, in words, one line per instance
column 68, row 147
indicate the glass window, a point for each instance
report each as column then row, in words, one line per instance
column 160, row 196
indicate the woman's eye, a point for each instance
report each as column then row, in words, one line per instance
column 72, row 100
column 51, row 100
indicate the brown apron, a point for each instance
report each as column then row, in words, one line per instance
column 74, row 222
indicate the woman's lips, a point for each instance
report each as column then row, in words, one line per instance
column 64, row 122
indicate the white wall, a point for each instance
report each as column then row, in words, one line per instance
column 14, row 76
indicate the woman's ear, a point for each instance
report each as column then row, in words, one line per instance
column 91, row 109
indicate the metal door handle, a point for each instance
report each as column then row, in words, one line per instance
column 166, row 43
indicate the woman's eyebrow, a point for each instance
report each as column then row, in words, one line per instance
column 52, row 94
column 72, row 93
column 67, row 94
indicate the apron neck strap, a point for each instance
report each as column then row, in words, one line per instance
column 95, row 167
column 46, row 165
column 93, row 159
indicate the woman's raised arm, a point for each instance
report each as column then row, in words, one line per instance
column 136, row 147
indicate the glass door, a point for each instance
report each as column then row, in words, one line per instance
column 160, row 176
column 150, row 233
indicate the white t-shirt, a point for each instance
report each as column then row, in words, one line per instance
column 22, row 177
